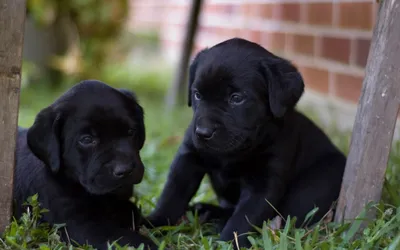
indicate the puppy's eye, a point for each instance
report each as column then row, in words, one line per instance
column 87, row 140
column 236, row 99
column 131, row 132
column 197, row 95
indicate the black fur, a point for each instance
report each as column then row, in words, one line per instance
column 81, row 156
column 247, row 136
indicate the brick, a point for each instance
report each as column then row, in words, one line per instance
column 291, row 12
column 245, row 34
column 288, row 12
column 170, row 43
column 302, row 44
column 180, row 7
column 336, row 49
column 218, row 30
column 255, row 36
column 222, row 9
column 213, row 8
column 210, row 8
column 251, row 35
column 348, row 87
column 231, row 33
column 267, row 10
column 319, row 14
column 375, row 8
column 254, row 10
column 356, row 15
column 274, row 41
column 315, row 79
column 362, row 50
column 245, row 9
column 231, row 9
column 206, row 29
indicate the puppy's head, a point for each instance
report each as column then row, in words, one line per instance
column 92, row 135
column 239, row 91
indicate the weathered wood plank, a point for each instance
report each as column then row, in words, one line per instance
column 178, row 83
column 12, row 19
column 376, row 117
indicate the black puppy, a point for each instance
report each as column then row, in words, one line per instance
column 82, row 158
column 247, row 136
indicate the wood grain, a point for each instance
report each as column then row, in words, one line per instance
column 12, row 19
column 375, row 119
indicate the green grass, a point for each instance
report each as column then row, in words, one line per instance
column 164, row 132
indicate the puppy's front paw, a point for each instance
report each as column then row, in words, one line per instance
column 153, row 221
column 208, row 212
column 150, row 222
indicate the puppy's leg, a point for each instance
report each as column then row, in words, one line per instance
column 183, row 181
column 253, row 209
column 318, row 187
column 209, row 213
column 100, row 232
column 93, row 222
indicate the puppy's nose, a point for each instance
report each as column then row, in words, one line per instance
column 204, row 133
column 121, row 171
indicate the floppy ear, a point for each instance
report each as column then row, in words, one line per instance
column 192, row 74
column 129, row 94
column 43, row 138
column 285, row 85
column 139, row 113
column 133, row 98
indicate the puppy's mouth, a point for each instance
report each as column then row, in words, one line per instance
column 105, row 184
column 99, row 189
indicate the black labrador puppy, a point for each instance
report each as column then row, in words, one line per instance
column 81, row 156
column 247, row 136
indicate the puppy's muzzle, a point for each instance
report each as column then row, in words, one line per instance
column 132, row 172
column 204, row 133
column 123, row 170
column 205, row 128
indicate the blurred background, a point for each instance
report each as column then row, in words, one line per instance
column 136, row 44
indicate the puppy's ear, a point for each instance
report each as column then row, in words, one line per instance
column 129, row 94
column 285, row 84
column 133, row 97
column 192, row 73
column 43, row 138
column 139, row 115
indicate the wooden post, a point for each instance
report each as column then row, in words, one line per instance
column 12, row 19
column 375, row 119
column 178, row 84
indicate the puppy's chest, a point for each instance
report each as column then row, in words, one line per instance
column 234, row 175
column 226, row 177
column 122, row 213
column 227, row 187
column 225, row 170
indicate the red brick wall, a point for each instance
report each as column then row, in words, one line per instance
column 327, row 40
